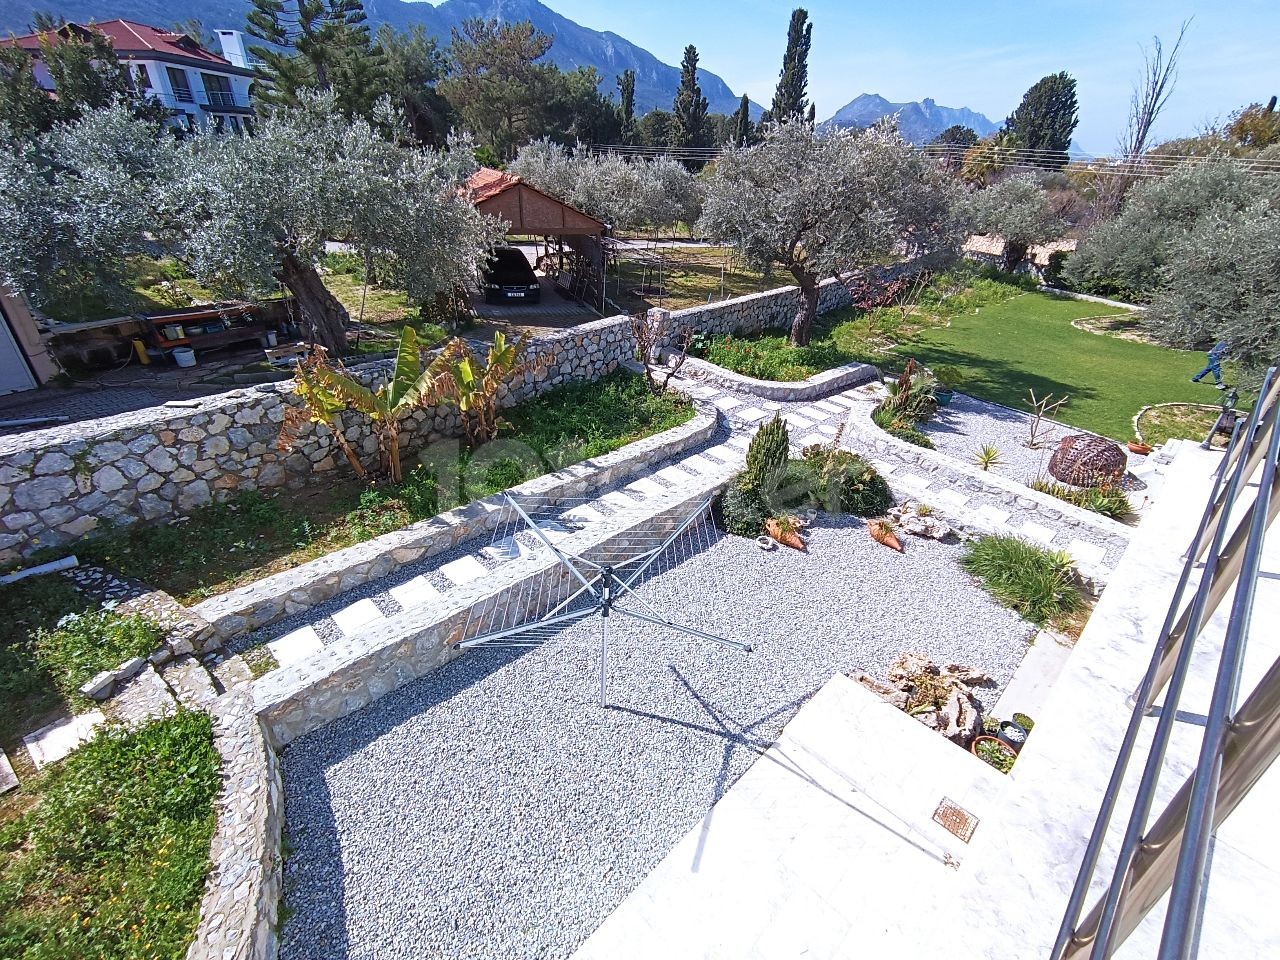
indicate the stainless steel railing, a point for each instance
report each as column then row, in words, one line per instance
column 1240, row 742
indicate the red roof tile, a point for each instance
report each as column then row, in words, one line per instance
column 127, row 37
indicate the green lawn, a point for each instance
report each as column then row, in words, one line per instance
column 1028, row 342
column 690, row 276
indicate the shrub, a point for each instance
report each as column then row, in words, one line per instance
column 843, row 482
column 743, row 510
column 896, row 427
column 767, row 456
column 87, row 643
column 111, row 862
column 1039, row 584
column 1107, row 499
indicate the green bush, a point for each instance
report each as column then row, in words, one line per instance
column 843, row 482
column 1039, row 584
column 767, row 456
column 742, row 510
column 84, row 644
column 111, row 860
column 1107, row 499
column 770, row 356
column 902, row 429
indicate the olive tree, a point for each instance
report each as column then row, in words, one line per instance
column 257, row 210
column 77, row 202
column 820, row 204
column 1019, row 210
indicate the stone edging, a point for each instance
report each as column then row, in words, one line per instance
column 239, row 910
column 819, row 385
column 1072, row 295
column 305, row 586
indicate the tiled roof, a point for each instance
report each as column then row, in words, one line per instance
column 127, row 37
column 487, row 183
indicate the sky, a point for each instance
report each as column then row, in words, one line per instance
column 982, row 56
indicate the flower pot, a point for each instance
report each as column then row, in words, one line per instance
column 766, row 542
column 882, row 533
column 943, row 397
column 978, row 741
column 1142, row 449
column 788, row 538
column 1013, row 735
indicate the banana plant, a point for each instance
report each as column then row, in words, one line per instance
column 477, row 389
column 326, row 391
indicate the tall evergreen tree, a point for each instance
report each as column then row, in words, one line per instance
column 790, row 101
column 742, row 125
column 319, row 38
column 627, row 104
column 1046, row 118
column 689, row 108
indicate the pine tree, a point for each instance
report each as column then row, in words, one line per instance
column 742, row 125
column 1046, row 118
column 627, row 105
column 791, row 99
column 689, row 109
column 319, row 38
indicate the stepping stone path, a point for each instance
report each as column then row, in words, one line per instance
column 8, row 779
column 50, row 744
column 295, row 646
column 359, row 614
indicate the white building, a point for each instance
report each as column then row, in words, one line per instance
column 201, row 88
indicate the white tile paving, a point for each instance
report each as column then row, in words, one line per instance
column 464, row 570
column 727, row 402
column 829, row 430
column 647, row 487
column 812, row 438
column 751, row 414
column 993, row 515
column 814, row 413
column 797, row 422
column 1089, row 554
column 50, row 744
column 617, row 498
column 950, row 498
column 8, row 779
column 912, row 481
column 506, row 549
column 295, row 646
column 674, row 475
column 359, row 614
column 1037, row 532
column 843, row 400
column 701, row 464
column 740, row 442
column 415, row 593
column 828, row 406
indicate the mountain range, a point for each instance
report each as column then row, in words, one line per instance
column 919, row 122
column 575, row 45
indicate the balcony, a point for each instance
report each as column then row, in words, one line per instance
column 222, row 100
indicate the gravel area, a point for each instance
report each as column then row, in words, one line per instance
column 493, row 809
column 968, row 424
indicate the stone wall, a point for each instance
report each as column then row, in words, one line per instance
column 239, row 911
column 66, row 482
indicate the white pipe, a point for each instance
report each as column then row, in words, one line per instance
column 53, row 566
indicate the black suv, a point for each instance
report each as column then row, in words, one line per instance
column 508, row 276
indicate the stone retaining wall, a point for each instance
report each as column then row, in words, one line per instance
column 64, row 483
column 305, row 586
column 239, row 911
column 819, row 385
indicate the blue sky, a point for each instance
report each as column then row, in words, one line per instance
column 977, row 55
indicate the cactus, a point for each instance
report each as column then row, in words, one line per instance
column 767, row 456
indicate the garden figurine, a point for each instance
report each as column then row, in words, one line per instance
column 1214, row 366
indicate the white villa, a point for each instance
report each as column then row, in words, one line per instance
column 199, row 87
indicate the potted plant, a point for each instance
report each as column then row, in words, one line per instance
column 1013, row 734
column 786, row 531
column 948, row 377
column 883, row 531
column 992, row 751
column 1140, row 448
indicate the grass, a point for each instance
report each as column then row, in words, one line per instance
column 226, row 545
column 1110, row 501
column 154, row 284
column 30, row 688
column 385, row 311
column 1177, row 421
column 109, row 856
column 1039, row 584
column 692, row 276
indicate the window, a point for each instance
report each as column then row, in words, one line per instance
column 141, row 79
column 181, row 87
column 218, row 89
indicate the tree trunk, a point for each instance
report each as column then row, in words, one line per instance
column 324, row 316
column 1014, row 252
column 802, row 325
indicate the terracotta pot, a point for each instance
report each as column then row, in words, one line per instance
column 790, row 539
column 882, row 533
column 1139, row 448
column 973, row 747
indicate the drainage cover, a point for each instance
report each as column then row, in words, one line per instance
column 955, row 819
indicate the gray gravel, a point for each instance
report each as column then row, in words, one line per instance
column 493, row 809
column 961, row 429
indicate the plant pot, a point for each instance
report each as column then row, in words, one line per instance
column 1013, row 735
column 766, row 542
column 1142, row 449
column 790, row 538
column 943, row 397
column 882, row 533
column 999, row 744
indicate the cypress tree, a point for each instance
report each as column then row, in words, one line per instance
column 689, row 109
column 767, row 456
column 627, row 104
column 742, row 123
column 1046, row 118
column 791, row 99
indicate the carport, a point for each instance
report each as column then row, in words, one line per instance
column 572, row 256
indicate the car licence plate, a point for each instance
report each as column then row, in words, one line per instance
column 513, row 293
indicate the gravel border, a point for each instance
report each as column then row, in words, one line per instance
column 493, row 809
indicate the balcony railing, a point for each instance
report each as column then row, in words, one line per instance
column 219, row 99
column 1240, row 739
